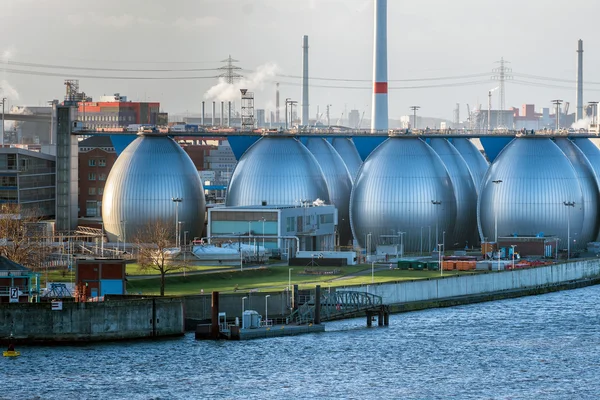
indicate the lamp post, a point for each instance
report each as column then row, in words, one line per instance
column 184, row 250
column 179, row 223
column 263, row 233
column 243, row 309
column 401, row 244
column 414, row 109
column 569, row 204
column 440, row 259
column 513, row 255
column 101, row 240
column 436, row 203
column 496, row 182
column 286, row 112
column 444, row 241
column 372, row 271
column 124, row 225
column 290, row 279
column 266, row 309
column 176, row 200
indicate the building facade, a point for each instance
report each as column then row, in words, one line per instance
column 96, row 157
column 116, row 112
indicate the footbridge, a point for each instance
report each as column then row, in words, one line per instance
column 339, row 304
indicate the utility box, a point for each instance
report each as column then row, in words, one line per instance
column 251, row 319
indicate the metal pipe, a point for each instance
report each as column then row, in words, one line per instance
column 202, row 116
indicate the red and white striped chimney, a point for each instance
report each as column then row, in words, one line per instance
column 379, row 115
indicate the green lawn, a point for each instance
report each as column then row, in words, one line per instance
column 272, row 278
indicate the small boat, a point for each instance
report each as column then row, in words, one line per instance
column 12, row 353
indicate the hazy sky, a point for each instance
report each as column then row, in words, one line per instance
column 426, row 39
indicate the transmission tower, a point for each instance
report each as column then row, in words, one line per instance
column 229, row 70
column 502, row 74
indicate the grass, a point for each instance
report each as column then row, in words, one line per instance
column 273, row 278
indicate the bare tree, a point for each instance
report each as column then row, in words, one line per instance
column 19, row 235
column 156, row 243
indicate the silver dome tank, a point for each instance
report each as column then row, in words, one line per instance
column 279, row 171
column 148, row 174
column 536, row 181
column 589, row 187
column 476, row 162
column 398, row 189
column 339, row 183
column 347, row 150
column 464, row 190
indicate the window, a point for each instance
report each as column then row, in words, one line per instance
column 91, row 176
column 102, row 162
column 92, row 191
column 101, row 191
column 92, row 162
column 91, row 208
column 102, row 177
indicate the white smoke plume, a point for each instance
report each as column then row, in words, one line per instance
column 224, row 91
column 583, row 123
column 6, row 89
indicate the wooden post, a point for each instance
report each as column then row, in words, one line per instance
column 214, row 328
column 369, row 319
column 386, row 317
column 295, row 298
column 317, row 305
column 380, row 317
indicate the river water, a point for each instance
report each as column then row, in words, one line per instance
column 540, row 347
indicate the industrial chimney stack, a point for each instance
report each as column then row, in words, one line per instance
column 379, row 115
column 579, row 80
column 305, row 121
column 277, row 102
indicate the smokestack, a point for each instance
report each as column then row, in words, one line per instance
column 222, row 113
column 229, row 114
column 579, row 80
column 379, row 114
column 202, row 117
column 214, row 114
column 277, row 103
column 304, row 121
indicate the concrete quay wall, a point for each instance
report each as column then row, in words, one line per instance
column 527, row 281
column 91, row 322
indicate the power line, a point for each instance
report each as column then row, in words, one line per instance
column 71, row 67
column 479, row 75
column 42, row 73
column 456, row 84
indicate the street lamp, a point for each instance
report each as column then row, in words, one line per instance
column 372, row 271
column 497, row 182
column 290, row 279
column 440, row 259
column 266, row 310
column 176, row 200
column 401, row 244
column 263, row 233
column 243, row 309
column 179, row 223
column 436, row 203
column 513, row 255
column 124, row 225
column 569, row 204
column 184, row 250
column 444, row 241
column 286, row 112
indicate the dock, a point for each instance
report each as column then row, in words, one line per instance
column 203, row 332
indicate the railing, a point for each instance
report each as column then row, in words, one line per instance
column 335, row 304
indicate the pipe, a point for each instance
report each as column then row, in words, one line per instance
column 214, row 114
column 579, row 80
column 256, row 237
column 229, row 113
column 202, row 117
column 304, row 121
column 222, row 113
column 277, row 102
column 379, row 114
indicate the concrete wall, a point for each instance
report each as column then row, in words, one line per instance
column 108, row 320
column 465, row 285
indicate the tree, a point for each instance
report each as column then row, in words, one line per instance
column 20, row 236
column 155, row 243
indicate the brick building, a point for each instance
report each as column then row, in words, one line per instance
column 96, row 157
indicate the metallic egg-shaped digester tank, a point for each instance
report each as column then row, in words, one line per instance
column 592, row 153
column 403, row 189
column 151, row 172
column 531, row 189
column 464, row 190
column 589, row 187
column 477, row 163
column 339, row 183
column 279, row 171
column 347, row 150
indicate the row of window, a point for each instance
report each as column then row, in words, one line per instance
column 92, row 191
column 93, row 208
column 100, row 163
column 92, row 176
column 106, row 118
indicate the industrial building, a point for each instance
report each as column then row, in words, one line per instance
column 96, row 158
column 100, row 276
column 116, row 112
column 28, row 178
column 18, row 284
column 313, row 226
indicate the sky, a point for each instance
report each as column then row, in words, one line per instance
column 440, row 52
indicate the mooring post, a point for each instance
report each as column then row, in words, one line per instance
column 318, row 305
column 386, row 317
column 214, row 328
column 369, row 319
column 380, row 317
column 295, row 298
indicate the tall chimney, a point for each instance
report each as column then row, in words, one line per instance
column 222, row 113
column 229, row 113
column 214, row 114
column 379, row 115
column 579, row 80
column 304, row 121
column 202, row 117
column 277, row 103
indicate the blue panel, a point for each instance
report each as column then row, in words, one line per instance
column 215, row 187
column 111, row 286
column 239, row 144
column 494, row 145
column 365, row 145
column 121, row 141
